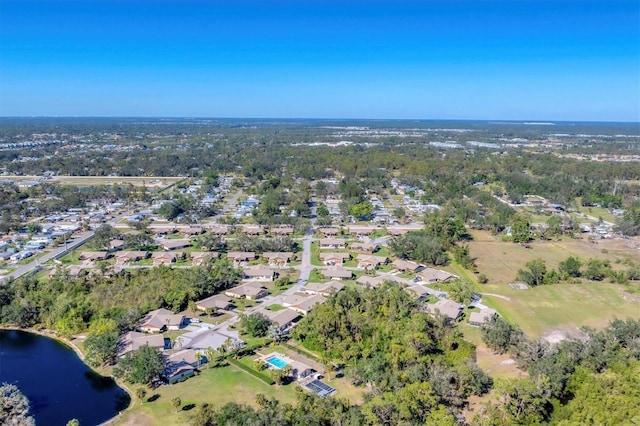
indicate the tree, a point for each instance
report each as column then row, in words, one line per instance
column 597, row 269
column 499, row 335
column 141, row 393
column 145, row 366
column 570, row 267
column 103, row 235
column 14, row 407
column 101, row 347
column 462, row 291
column 520, row 229
column 73, row 422
column 534, row 274
column 255, row 325
column 629, row 223
column 176, row 403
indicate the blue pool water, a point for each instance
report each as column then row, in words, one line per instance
column 277, row 362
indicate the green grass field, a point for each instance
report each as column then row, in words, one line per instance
column 215, row 386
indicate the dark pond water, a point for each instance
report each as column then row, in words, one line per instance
column 59, row 385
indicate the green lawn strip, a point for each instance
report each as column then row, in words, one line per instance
column 266, row 379
column 300, row 350
column 275, row 307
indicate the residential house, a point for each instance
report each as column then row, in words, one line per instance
column 192, row 231
column 406, row 265
column 419, row 292
column 479, row 318
column 218, row 301
column 253, row 229
column 170, row 245
column 364, row 247
column 325, row 289
column 123, row 257
column 219, row 230
column 333, row 243
column 164, row 258
column 259, row 273
column 369, row 261
column 252, row 290
column 360, row 231
column 115, row 245
column 161, row 320
column 282, row 230
column 277, row 259
column 240, row 258
column 133, row 340
column 447, row 308
column 304, row 303
column 200, row 257
column 331, row 259
column 337, row 273
column 370, row 281
column 329, row 232
column 182, row 364
column 430, row 275
column 283, row 318
column 92, row 256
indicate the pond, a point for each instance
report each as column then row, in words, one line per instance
column 60, row 387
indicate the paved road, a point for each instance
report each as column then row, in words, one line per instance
column 77, row 241
column 305, row 269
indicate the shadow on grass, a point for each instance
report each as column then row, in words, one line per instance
column 188, row 407
column 153, row 397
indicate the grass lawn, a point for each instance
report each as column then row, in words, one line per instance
column 561, row 307
column 500, row 261
column 215, row 386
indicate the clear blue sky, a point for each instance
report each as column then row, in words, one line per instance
column 533, row 60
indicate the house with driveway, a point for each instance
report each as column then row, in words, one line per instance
column 251, row 290
column 160, row 320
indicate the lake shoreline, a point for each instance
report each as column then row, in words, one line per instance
column 51, row 334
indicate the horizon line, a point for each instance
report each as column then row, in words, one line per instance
column 186, row 117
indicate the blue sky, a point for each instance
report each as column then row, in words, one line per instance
column 533, row 60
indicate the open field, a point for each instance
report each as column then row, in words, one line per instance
column 148, row 181
column 500, row 260
column 215, row 386
column 559, row 309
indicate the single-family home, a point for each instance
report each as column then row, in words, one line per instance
column 364, row 247
column 277, row 259
column 192, row 231
column 182, row 364
column 370, row 261
column 332, row 243
column 331, row 259
column 170, row 245
column 258, row 273
column 160, row 320
column 253, row 229
column 325, row 289
column 282, row 230
column 306, row 304
column 92, row 256
column 133, row 340
column 123, row 257
column 251, row 290
column 329, row 232
column 200, row 257
column 115, row 245
column 418, row 292
column 479, row 318
column 337, row 273
column 164, row 258
column 431, row 275
column 406, row 265
column 218, row 301
column 240, row 258
column 447, row 308
column 219, row 230
column 283, row 318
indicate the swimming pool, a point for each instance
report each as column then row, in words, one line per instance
column 277, row 362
